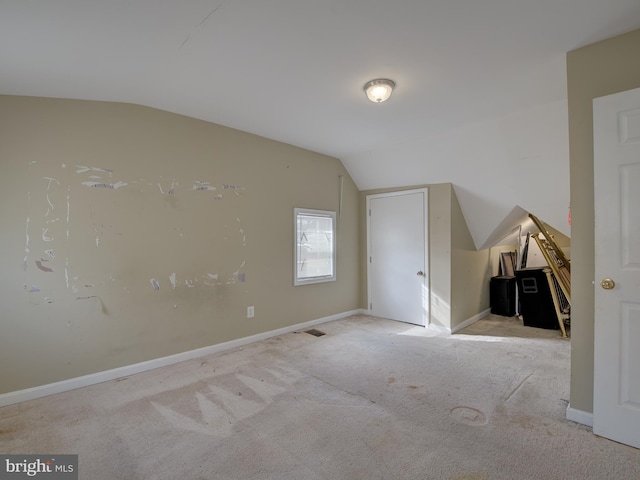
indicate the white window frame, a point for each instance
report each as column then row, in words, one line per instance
column 297, row 280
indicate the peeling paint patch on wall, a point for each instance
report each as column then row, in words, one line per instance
column 26, row 245
column 236, row 189
column 45, row 236
column 171, row 190
column 99, row 215
column 110, row 186
column 51, row 208
column 83, row 169
column 203, row 186
column 42, row 267
column 98, row 231
column 241, row 230
column 68, row 209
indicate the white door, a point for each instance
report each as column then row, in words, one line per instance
column 616, row 125
column 396, row 247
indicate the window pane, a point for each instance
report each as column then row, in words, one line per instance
column 315, row 246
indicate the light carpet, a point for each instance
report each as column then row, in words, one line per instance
column 371, row 399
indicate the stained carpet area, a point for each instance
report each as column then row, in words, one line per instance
column 370, row 399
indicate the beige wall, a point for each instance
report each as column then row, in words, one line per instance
column 457, row 272
column 600, row 69
column 470, row 270
column 440, row 266
column 78, row 261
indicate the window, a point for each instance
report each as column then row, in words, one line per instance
column 315, row 246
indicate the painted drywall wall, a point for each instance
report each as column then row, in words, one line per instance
column 470, row 270
column 593, row 71
column 519, row 159
column 445, row 256
column 440, row 259
column 130, row 233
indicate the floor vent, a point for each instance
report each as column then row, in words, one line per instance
column 315, row 333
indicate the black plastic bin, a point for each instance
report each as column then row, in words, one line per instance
column 536, row 302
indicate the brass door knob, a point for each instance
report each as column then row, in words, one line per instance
column 607, row 284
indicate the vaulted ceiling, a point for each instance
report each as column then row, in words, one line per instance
column 481, row 84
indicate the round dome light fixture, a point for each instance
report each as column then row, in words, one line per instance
column 379, row 90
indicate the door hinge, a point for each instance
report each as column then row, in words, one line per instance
column 369, row 259
column 371, row 306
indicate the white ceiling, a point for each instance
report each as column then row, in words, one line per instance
column 293, row 70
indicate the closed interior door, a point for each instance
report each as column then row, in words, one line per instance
column 397, row 246
column 616, row 413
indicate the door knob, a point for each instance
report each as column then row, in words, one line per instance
column 607, row 284
column 420, row 273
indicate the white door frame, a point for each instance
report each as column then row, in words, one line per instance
column 427, row 277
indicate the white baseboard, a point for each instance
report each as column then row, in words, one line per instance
column 471, row 321
column 579, row 416
column 107, row 375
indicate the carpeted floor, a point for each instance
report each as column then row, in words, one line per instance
column 371, row 399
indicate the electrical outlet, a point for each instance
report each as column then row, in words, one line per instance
column 250, row 312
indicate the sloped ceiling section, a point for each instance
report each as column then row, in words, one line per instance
column 480, row 97
column 517, row 160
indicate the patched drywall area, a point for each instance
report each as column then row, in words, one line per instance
column 88, row 227
column 129, row 234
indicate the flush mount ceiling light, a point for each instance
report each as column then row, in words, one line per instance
column 379, row 90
